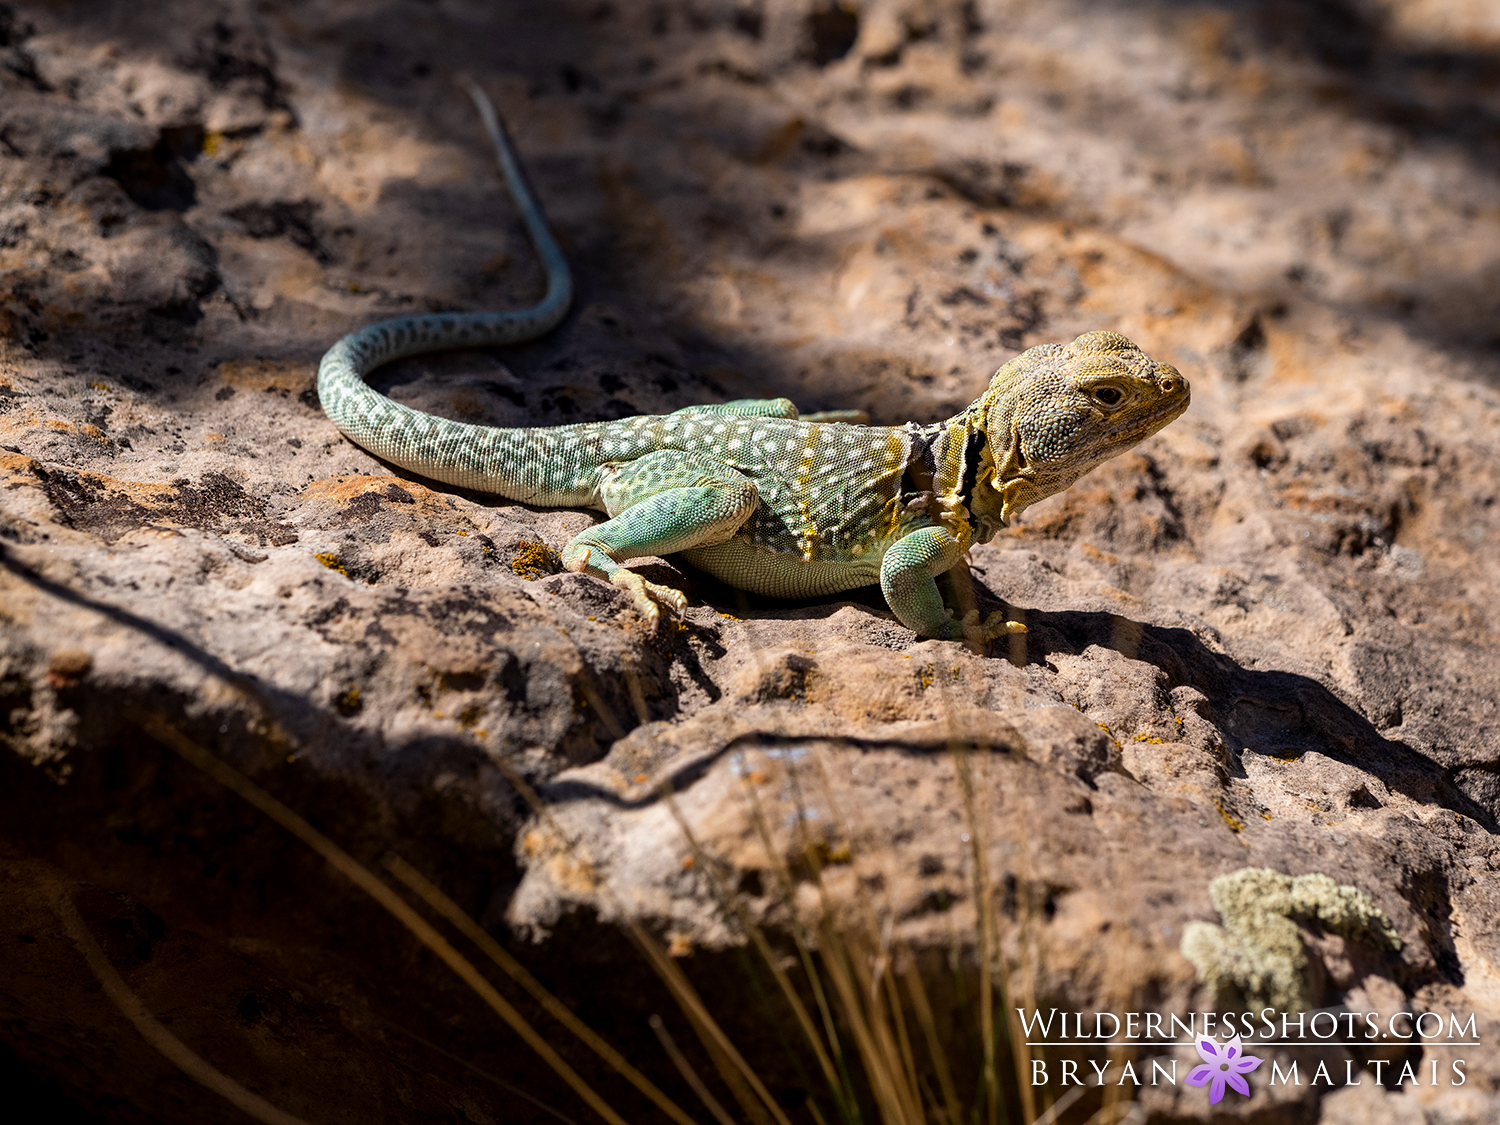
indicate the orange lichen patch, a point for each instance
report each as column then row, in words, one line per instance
column 1304, row 499
column 285, row 377
column 148, row 494
column 32, row 418
column 15, row 462
column 85, row 428
column 573, row 874
column 1095, row 553
column 331, row 561
column 1235, row 823
column 108, row 508
column 341, row 490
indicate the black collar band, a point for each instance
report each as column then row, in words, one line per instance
column 974, row 448
column 921, row 463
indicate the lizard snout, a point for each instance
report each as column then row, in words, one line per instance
column 1170, row 382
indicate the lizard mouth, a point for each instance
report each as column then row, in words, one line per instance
column 1153, row 421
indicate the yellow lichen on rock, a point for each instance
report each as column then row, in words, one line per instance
column 534, row 560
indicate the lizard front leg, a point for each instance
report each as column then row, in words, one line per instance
column 661, row 503
column 907, row 579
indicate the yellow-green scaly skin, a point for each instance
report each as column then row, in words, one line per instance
column 748, row 491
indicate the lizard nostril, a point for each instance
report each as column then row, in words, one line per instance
column 1168, row 385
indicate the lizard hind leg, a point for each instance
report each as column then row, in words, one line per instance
column 746, row 408
column 665, row 502
column 776, row 408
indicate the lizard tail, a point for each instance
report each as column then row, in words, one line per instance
column 436, row 447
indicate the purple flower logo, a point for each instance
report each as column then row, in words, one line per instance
column 1224, row 1064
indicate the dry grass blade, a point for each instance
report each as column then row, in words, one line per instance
column 692, row 1006
column 394, row 904
column 887, row 1029
column 509, row 1088
column 736, row 1071
column 517, row 972
column 850, row 965
column 689, row 1075
column 842, row 1087
column 1119, row 1113
column 890, row 1015
column 153, row 1031
column 763, row 947
column 988, row 940
column 903, row 1038
column 917, row 991
column 1057, row 1108
column 877, row 1062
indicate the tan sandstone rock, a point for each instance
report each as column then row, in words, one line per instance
column 1265, row 639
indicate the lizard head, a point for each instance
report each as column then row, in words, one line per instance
column 1058, row 410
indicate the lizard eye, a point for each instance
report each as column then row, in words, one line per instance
column 1109, row 396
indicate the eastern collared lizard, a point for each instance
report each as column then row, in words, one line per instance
column 750, row 492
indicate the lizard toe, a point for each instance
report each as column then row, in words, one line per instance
column 995, row 625
column 675, row 600
column 645, row 596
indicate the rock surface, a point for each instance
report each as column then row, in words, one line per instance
column 1267, row 638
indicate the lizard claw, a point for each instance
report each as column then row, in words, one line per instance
column 646, row 594
column 995, row 625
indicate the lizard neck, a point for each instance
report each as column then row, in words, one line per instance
column 994, row 477
column 947, row 477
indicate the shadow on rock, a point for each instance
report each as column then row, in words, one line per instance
column 1276, row 713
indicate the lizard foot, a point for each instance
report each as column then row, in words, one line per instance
column 647, row 594
column 981, row 632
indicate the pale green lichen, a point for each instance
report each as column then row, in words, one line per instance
column 1258, row 951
